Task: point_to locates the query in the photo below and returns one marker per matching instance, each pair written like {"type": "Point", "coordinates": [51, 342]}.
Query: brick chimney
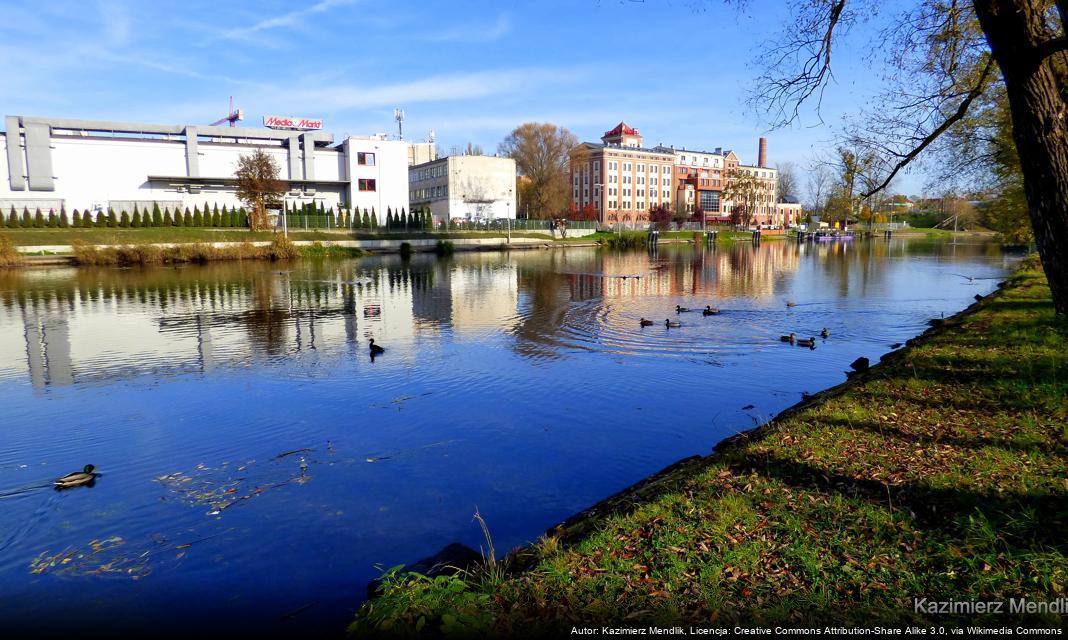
{"type": "Point", "coordinates": [762, 153]}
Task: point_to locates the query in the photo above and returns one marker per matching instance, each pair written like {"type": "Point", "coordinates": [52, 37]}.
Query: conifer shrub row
{"type": "Point", "coordinates": [224, 217]}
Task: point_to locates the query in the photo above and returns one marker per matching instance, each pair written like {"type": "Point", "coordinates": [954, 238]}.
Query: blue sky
{"type": "Point", "coordinates": [471, 70]}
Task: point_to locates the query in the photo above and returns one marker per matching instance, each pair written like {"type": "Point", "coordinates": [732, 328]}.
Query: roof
{"type": "Point", "coordinates": [622, 129]}
{"type": "Point", "coordinates": [600, 145]}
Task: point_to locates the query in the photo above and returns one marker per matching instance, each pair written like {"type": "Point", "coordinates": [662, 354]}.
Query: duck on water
{"type": "Point", "coordinates": [77, 479]}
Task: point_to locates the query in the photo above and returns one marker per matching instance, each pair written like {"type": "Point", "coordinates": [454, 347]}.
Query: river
{"type": "Point", "coordinates": [258, 467]}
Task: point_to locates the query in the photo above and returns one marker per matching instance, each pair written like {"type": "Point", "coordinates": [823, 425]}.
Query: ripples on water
{"type": "Point", "coordinates": [257, 464]}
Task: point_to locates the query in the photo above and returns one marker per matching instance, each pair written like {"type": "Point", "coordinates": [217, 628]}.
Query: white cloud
{"type": "Point", "coordinates": [473, 33]}
{"type": "Point", "coordinates": [289, 19]}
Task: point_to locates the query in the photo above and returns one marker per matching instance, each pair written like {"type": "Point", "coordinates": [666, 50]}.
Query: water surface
{"type": "Point", "coordinates": [259, 468]}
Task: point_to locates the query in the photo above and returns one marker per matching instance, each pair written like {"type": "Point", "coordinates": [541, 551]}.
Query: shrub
{"type": "Point", "coordinates": [406, 250]}
{"type": "Point", "coordinates": [444, 248]}
{"type": "Point", "coordinates": [9, 256]}
{"type": "Point", "coordinates": [113, 220]}
{"type": "Point", "coordinates": [77, 219]}
{"type": "Point", "coordinates": [27, 220]}
{"type": "Point", "coordinates": [167, 220]}
{"type": "Point", "coordinates": [157, 215]}
{"type": "Point", "coordinates": [124, 220]}
{"type": "Point", "coordinates": [53, 220]}
{"type": "Point", "coordinates": [38, 220]}
{"type": "Point", "coordinates": [198, 220]}
{"type": "Point", "coordinates": [135, 221]}
{"type": "Point", "coordinates": [626, 240]}
{"type": "Point", "coordinates": [63, 221]}
{"type": "Point", "coordinates": [13, 219]}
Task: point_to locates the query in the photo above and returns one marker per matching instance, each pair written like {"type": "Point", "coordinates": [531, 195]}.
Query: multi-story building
{"type": "Point", "coordinates": [765, 182]}
{"type": "Point", "coordinates": [464, 187]}
{"type": "Point", "coordinates": [55, 163]}
{"type": "Point", "coordinates": [619, 179]}
{"type": "Point", "coordinates": [700, 177]}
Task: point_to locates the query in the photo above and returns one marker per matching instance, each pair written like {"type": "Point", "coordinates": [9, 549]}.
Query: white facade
{"type": "Point", "coordinates": [88, 165]}
{"type": "Point", "coordinates": [465, 187]}
{"type": "Point", "coordinates": [377, 171]}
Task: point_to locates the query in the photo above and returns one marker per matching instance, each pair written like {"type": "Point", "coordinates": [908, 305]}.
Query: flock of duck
{"type": "Point", "coordinates": [669, 323]}
{"type": "Point", "coordinates": [709, 310]}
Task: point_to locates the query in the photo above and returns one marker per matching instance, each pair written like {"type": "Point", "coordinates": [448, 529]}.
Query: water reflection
{"type": "Point", "coordinates": [61, 326]}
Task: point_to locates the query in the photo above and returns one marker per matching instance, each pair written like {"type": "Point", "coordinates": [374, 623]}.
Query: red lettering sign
{"type": "Point", "coordinates": [282, 122]}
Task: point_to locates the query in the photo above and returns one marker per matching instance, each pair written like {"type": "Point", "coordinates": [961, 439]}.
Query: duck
{"type": "Point", "coordinates": [825, 333]}
{"type": "Point", "coordinates": [76, 479]}
{"type": "Point", "coordinates": [791, 303]}
{"type": "Point", "coordinates": [672, 323]}
{"type": "Point", "coordinates": [679, 309]}
{"type": "Point", "coordinates": [806, 342]}
{"type": "Point", "coordinates": [860, 364]}
{"type": "Point", "coordinates": [375, 349]}
{"type": "Point", "coordinates": [710, 311]}
{"type": "Point", "coordinates": [645, 323]}
{"type": "Point", "coordinates": [790, 338]}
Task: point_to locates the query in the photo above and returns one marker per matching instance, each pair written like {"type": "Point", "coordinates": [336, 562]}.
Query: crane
{"type": "Point", "coordinates": [233, 116]}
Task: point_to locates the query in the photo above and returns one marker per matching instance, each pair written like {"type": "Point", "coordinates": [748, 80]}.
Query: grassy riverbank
{"type": "Point", "coordinates": [941, 473]}
{"type": "Point", "coordinates": [153, 235]}
{"type": "Point", "coordinates": [147, 254]}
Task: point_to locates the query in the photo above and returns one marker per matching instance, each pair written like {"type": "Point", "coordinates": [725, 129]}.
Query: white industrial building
{"type": "Point", "coordinates": [470, 187]}
{"type": "Point", "coordinates": [49, 163]}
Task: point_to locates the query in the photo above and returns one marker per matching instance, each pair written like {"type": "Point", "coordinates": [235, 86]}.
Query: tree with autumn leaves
{"type": "Point", "coordinates": [258, 186]}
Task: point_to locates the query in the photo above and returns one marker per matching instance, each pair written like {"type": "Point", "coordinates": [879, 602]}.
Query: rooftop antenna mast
{"type": "Point", "coordinates": [398, 115]}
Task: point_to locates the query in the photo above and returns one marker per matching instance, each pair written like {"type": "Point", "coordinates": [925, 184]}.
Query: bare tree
{"type": "Point", "coordinates": [943, 57]}
{"type": "Point", "coordinates": [258, 186]}
{"type": "Point", "coordinates": [788, 184]}
{"type": "Point", "coordinates": [743, 190]}
{"type": "Point", "coordinates": [819, 186]}
{"type": "Point", "coordinates": [543, 153]}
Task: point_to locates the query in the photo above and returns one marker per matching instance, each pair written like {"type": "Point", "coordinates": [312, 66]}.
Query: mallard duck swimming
{"type": "Point", "coordinates": [679, 309]}
{"type": "Point", "coordinates": [710, 311]}
{"type": "Point", "coordinates": [375, 349]}
{"type": "Point", "coordinates": [791, 303]}
{"type": "Point", "coordinates": [806, 342]}
{"type": "Point", "coordinates": [790, 338]}
{"type": "Point", "coordinates": [824, 333]}
{"type": "Point", "coordinates": [76, 479]}
{"type": "Point", "coordinates": [672, 323]}
{"type": "Point", "coordinates": [645, 323]}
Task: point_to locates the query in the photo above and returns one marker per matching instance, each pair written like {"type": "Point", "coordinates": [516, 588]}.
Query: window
{"type": "Point", "coordinates": [667, 171]}
{"type": "Point", "coordinates": [368, 184]}
{"type": "Point", "coordinates": [366, 159]}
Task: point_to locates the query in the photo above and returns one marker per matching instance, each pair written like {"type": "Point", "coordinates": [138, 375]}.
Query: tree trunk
{"type": "Point", "coordinates": [1014, 28]}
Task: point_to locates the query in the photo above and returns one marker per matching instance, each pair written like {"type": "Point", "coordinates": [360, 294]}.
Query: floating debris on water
{"type": "Point", "coordinates": [228, 484]}
{"type": "Point", "coordinates": [100, 557]}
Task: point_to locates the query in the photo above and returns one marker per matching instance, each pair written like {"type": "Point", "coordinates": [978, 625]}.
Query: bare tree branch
{"type": "Point", "coordinates": [959, 114]}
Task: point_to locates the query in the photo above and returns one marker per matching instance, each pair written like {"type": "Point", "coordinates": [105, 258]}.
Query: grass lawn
{"type": "Point", "coordinates": [941, 473]}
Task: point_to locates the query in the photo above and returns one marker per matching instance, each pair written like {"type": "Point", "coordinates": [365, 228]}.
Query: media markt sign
{"type": "Point", "coordinates": [283, 122]}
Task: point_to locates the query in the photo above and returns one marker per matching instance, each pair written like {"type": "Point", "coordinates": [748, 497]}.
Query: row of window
{"type": "Point", "coordinates": [640, 168]}
{"type": "Point", "coordinates": [704, 161]}
{"type": "Point", "coordinates": [427, 193]}
{"type": "Point", "coordinates": [429, 173]}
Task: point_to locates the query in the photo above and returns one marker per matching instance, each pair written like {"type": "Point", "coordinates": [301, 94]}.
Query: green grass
{"type": "Point", "coordinates": [940, 473]}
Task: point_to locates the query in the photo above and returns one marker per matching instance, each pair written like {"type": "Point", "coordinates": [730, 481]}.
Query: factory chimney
{"type": "Point", "coordinates": [762, 153]}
